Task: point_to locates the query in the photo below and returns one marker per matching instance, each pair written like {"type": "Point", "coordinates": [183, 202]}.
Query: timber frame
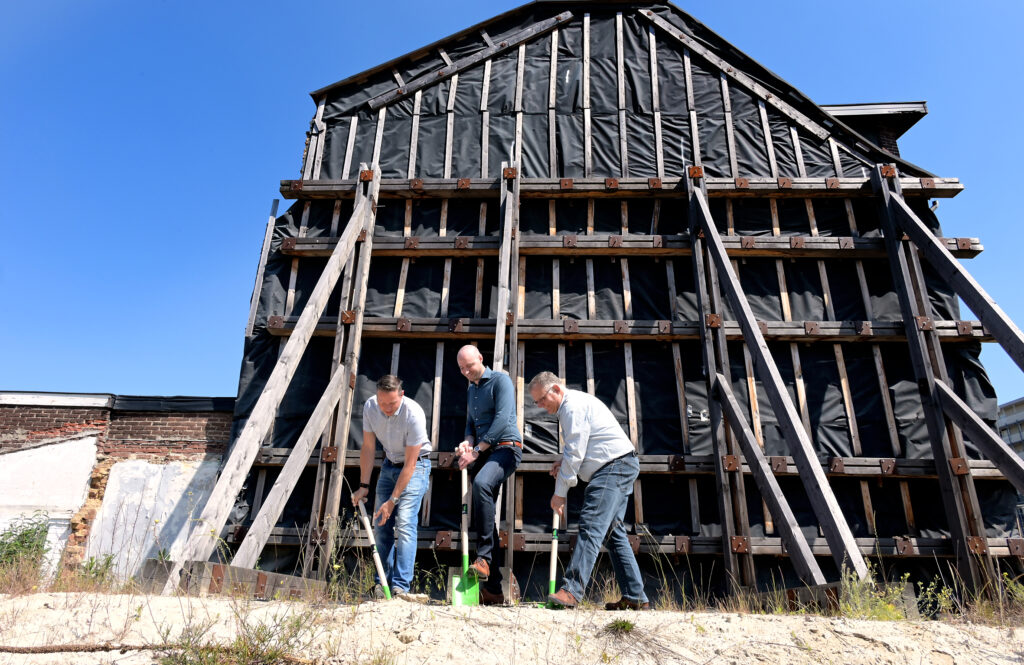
{"type": "Point", "coordinates": [751, 366]}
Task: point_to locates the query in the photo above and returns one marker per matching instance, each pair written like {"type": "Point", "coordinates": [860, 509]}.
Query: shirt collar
{"type": "Point", "coordinates": [487, 374]}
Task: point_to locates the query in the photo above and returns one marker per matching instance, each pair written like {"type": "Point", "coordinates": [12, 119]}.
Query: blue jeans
{"type": "Point", "coordinates": [501, 462]}
{"type": "Point", "coordinates": [396, 538]}
{"type": "Point", "coordinates": [604, 507]}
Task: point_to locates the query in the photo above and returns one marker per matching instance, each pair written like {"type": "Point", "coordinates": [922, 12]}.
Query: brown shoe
{"type": "Point", "coordinates": [489, 598]}
{"type": "Point", "coordinates": [626, 604]}
{"type": "Point", "coordinates": [481, 568]}
{"type": "Point", "coordinates": [563, 599]}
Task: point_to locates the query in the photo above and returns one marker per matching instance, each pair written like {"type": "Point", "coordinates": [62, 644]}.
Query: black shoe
{"type": "Point", "coordinates": [626, 604]}
{"type": "Point", "coordinates": [376, 592]}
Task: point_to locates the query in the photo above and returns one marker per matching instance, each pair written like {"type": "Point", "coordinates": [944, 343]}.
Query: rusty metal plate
{"type": "Point", "coordinates": [295, 186]}
{"type": "Point", "coordinates": [654, 183]}
{"type": "Point", "coordinates": [519, 542]}
{"type": "Point", "coordinates": [634, 542]}
{"type": "Point", "coordinates": [403, 325]}
{"type": "Point", "coordinates": [318, 536]}
{"type": "Point", "coordinates": [836, 465]}
{"type": "Point", "coordinates": [615, 241]}
{"type": "Point", "coordinates": [443, 540]}
{"type": "Point", "coordinates": [1016, 546]}
{"type": "Point", "coordinates": [977, 545]}
{"type": "Point", "coordinates": [288, 244]}
{"type": "Point", "coordinates": [657, 241]}
{"type": "Point", "coordinates": [927, 183]}
{"type": "Point", "coordinates": [352, 380]}
{"type": "Point", "coordinates": [217, 578]}
{"type": "Point", "coordinates": [864, 328]}
{"type": "Point", "coordinates": [763, 327]}
{"type": "Point", "coordinates": [677, 463]}
{"type": "Point", "coordinates": [463, 183]}
{"type": "Point", "coordinates": [462, 242]}
{"type": "Point", "coordinates": [682, 544]}
{"type": "Point", "coordinates": [712, 320]}
{"type": "Point", "coordinates": [329, 454]}
{"type": "Point", "coordinates": [740, 544]}
{"type": "Point", "coordinates": [503, 538]}
{"type": "Point", "coordinates": [509, 173]}
{"type": "Point", "coordinates": [570, 326]}
{"type": "Point", "coordinates": [963, 243]}
{"type": "Point", "coordinates": [565, 183]}
{"type": "Point", "coordinates": [611, 183]}
{"type": "Point", "coordinates": [696, 171]}
{"type": "Point", "coordinates": [812, 327]}
{"type": "Point", "coordinates": [924, 323]}
{"type": "Point", "coordinates": [747, 242]}
{"type": "Point", "coordinates": [509, 318]}
{"type": "Point", "coordinates": [742, 183]}
{"type": "Point", "coordinates": [797, 242]}
{"type": "Point", "coordinates": [959, 466]}
{"type": "Point", "coordinates": [362, 234]}
{"type": "Point", "coordinates": [416, 184]}
{"type": "Point", "coordinates": [239, 532]}
{"type": "Point", "coordinates": [730, 462]}
{"type": "Point", "coordinates": [888, 171]}
{"type": "Point", "coordinates": [455, 325]}
{"type": "Point", "coordinates": [447, 460]}
{"type": "Point", "coordinates": [261, 586]}
{"type": "Point", "coordinates": [831, 183]}
{"type": "Point", "coordinates": [903, 546]}
{"type": "Point", "coordinates": [412, 243]}
{"type": "Point", "coordinates": [294, 594]}
{"type": "Point", "coordinates": [569, 240]}
{"type": "Point", "coordinates": [620, 327]}
{"type": "Point", "coordinates": [887, 465]}
{"type": "Point", "coordinates": [846, 243]}
{"type": "Point", "coordinates": [348, 316]}
{"type": "Point", "coordinates": [664, 327]}
{"type": "Point", "coordinates": [779, 464]}
{"type": "Point", "coordinates": [366, 175]}
{"type": "Point", "coordinates": [785, 183]}
{"type": "Point", "coordinates": [275, 322]}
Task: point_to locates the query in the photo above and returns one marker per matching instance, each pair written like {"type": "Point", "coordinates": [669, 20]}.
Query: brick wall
{"type": "Point", "coordinates": [25, 426]}
{"type": "Point", "coordinates": [162, 436]}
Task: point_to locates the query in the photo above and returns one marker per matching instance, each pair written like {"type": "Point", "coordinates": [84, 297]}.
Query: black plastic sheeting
{"type": "Point", "coordinates": [663, 428]}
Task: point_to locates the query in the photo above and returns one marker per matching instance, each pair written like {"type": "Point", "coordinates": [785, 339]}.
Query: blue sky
{"type": "Point", "coordinates": [141, 144]}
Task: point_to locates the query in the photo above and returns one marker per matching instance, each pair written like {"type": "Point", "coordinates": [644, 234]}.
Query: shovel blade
{"type": "Point", "coordinates": [463, 588]}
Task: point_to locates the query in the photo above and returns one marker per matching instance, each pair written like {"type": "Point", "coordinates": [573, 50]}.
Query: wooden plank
{"type": "Point", "coordinates": [730, 132]}
{"type": "Point", "coordinates": [485, 121]}
{"type": "Point", "coordinates": [692, 109]}
{"type": "Point", "coordinates": [659, 153]}
{"type": "Point", "coordinates": [257, 289]}
{"type": "Point", "coordinates": [203, 538]}
{"type": "Point", "coordinates": [437, 75]}
{"type": "Point", "coordinates": [796, 545]}
{"type": "Point", "coordinates": [620, 76]}
{"type": "Point", "coordinates": [588, 154]}
{"type": "Point", "coordinates": [826, 508]}
{"type": "Point", "coordinates": [508, 209]}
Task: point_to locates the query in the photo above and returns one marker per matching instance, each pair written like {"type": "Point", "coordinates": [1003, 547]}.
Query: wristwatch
{"type": "Point", "coordinates": [476, 449]}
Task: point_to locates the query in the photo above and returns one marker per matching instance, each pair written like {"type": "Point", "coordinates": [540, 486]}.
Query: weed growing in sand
{"type": "Point", "coordinates": [22, 551]}
{"type": "Point", "coordinates": [867, 599]}
{"type": "Point", "coordinates": [382, 656]}
{"type": "Point", "coordinates": [620, 627]}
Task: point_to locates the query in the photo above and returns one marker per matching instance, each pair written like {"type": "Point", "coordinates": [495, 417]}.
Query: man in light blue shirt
{"type": "Point", "coordinates": [400, 426]}
{"type": "Point", "coordinates": [598, 452]}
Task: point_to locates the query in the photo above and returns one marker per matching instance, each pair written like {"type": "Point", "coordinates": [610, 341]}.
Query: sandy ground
{"type": "Point", "coordinates": [402, 632]}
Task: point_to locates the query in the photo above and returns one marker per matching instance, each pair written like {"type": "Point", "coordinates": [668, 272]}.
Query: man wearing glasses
{"type": "Point", "coordinates": [492, 436]}
{"type": "Point", "coordinates": [598, 452]}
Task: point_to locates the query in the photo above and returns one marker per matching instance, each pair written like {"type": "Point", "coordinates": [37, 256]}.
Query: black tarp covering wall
{"type": "Point", "coordinates": [789, 289]}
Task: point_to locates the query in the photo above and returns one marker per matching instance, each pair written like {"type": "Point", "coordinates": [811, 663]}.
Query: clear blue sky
{"type": "Point", "coordinates": [141, 144]}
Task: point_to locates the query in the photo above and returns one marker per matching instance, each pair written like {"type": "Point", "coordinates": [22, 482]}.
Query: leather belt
{"type": "Point", "coordinates": [517, 444]}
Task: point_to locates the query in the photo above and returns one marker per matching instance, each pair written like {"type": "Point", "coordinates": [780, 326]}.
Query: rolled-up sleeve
{"type": "Point", "coordinates": [576, 433]}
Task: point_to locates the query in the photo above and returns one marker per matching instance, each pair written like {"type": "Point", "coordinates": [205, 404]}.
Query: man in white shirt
{"type": "Point", "coordinates": [399, 424]}
{"type": "Point", "coordinates": [598, 452]}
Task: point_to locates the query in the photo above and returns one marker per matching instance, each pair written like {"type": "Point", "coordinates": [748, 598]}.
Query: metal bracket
{"type": "Point", "coordinates": [763, 327]}
{"type": "Point", "coordinates": [888, 171]}
{"type": "Point", "coordinates": [846, 242]}
{"type": "Point", "coordinates": [887, 465]}
{"type": "Point", "coordinates": [924, 323]}
{"type": "Point", "coordinates": [570, 326]}
{"type": "Point", "coordinates": [964, 328]}
{"type": "Point", "coordinates": [864, 328]}
{"type": "Point", "coordinates": [447, 460]}
{"type": "Point", "coordinates": [443, 540]}
{"type": "Point", "coordinates": [295, 186]}
{"type": "Point", "coordinates": [695, 171]}
{"type": "Point", "coordinates": [217, 578]}
{"type": "Point", "coordinates": [634, 542]}
{"type": "Point", "coordinates": [927, 183]}
{"type": "Point", "coordinates": [519, 542]}
{"type": "Point", "coordinates": [963, 243]}
{"type": "Point", "coordinates": [569, 241]}
{"type": "Point", "coordinates": [275, 322]}
{"type": "Point", "coordinates": [742, 183]}
{"type": "Point", "coordinates": [260, 591]}
{"type": "Point", "coordinates": [677, 463]}
{"type": "Point", "coordinates": [509, 173]}
{"type": "Point", "coordinates": [318, 536]}
{"type": "Point", "coordinates": [836, 465]}
{"type": "Point", "coordinates": [740, 544]}
{"type": "Point", "coordinates": [654, 183]}
{"type": "Point", "coordinates": [747, 242]}
{"type": "Point", "coordinates": [615, 241]}
{"type": "Point", "coordinates": [682, 544]}
{"type": "Point", "coordinates": [455, 325]}
{"type": "Point", "coordinates": [797, 242]}
{"type": "Point", "coordinates": [509, 318]}
{"type": "Point", "coordinates": [403, 325]}
{"type": "Point", "coordinates": [348, 316]}
{"type": "Point", "coordinates": [959, 466]}
{"type": "Point", "coordinates": [503, 538]}
{"type": "Point", "coordinates": [620, 327]}
{"type": "Point", "coordinates": [461, 242]}
{"type": "Point", "coordinates": [565, 183]}
{"type": "Point", "coordinates": [366, 175]}
{"type": "Point", "coordinates": [731, 462]}
{"type": "Point", "coordinates": [785, 183]}
{"type": "Point", "coordinates": [416, 184]}
{"type": "Point", "coordinates": [463, 183]}
{"type": "Point", "coordinates": [352, 380]}
{"type": "Point", "coordinates": [611, 184]}
{"type": "Point", "coordinates": [977, 545]}
{"type": "Point", "coordinates": [831, 183]}
{"type": "Point", "coordinates": [288, 244]}
{"type": "Point", "coordinates": [412, 242]}
{"type": "Point", "coordinates": [903, 546]}
{"type": "Point", "coordinates": [329, 454]}
{"type": "Point", "coordinates": [362, 234]}
{"type": "Point", "coordinates": [1016, 546]}
{"type": "Point", "coordinates": [812, 327]}
{"type": "Point", "coordinates": [779, 464]}
{"type": "Point", "coordinates": [664, 327]}
{"type": "Point", "coordinates": [658, 241]}
{"type": "Point", "coordinates": [713, 321]}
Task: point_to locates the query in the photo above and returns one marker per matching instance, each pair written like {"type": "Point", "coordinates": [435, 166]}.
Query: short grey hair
{"type": "Point", "coordinates": [543, 381]}
{"type": "Point", "coordinates": [389, 383]}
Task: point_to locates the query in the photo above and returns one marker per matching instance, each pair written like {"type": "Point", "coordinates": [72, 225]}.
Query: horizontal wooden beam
{"type": "Point", "coordinates": [638, 330]}
{"type": "Point", "coordinates": [548, 188]}
{"type": "Point", "coordinates": [632, 244]}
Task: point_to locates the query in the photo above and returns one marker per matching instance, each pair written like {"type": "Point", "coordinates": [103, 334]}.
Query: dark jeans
{"type": "Point", "coordinates": [498, 464]}
{"type": "Point", "coordinates": [604, 508]}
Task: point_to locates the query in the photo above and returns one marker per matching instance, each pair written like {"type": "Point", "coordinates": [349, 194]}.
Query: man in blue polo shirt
{"type": "Point", "coordinates": [399, 424]}
{"type": "Point", "coordinates": [493, 437]}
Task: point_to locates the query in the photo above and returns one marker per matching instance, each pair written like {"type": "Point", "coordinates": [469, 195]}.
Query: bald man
{"type": "Point", "coordinates": [494, 443]}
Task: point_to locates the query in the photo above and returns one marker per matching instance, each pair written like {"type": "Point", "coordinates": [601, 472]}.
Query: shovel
{"type": "Point", "coordinates": [373, 547]}
{"type": "Point", "coordinates": [553, 570]}
{"type": "Point", "coordinates": [463, 585]}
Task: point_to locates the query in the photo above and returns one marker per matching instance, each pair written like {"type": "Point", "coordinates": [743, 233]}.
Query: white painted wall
{"type": "Point", "coordinates": [145, 508]}
{"type": "Point", "coordinates": [53, 479]}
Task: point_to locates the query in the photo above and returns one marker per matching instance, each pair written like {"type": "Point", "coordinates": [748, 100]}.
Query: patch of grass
{"type": "Point", "coordinates": [619, 627]}
{"type": "Point", "coordinates": [22, 553]}
{"type": "Point", "coordinates": [868, 599]}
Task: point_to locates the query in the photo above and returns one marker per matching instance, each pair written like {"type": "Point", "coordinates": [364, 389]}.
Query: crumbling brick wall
{"type": "Point", "coordinates": [28, 426]}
